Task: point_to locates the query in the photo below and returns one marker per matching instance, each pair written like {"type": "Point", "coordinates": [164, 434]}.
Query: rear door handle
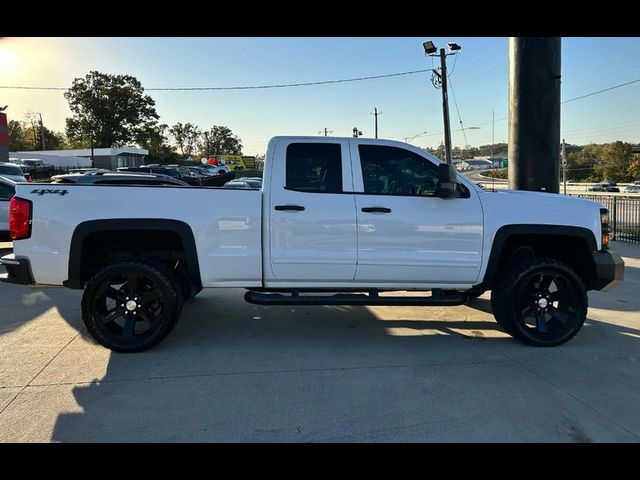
{"type": "Point", "coordinates": [292, 208]}
{"type": "Point", "coordinates": [376, 210]}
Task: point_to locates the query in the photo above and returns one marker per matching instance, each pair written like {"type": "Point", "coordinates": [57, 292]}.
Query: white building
{"type": "Point", "coordinates": [107, 158]}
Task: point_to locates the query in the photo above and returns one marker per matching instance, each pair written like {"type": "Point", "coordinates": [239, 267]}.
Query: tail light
{"type": "Point", "coordinates": [29, 179]}
{"type": "Point", "coordinates": [20, 218]}
{"type": "Point", "coordinates": [604, 224]}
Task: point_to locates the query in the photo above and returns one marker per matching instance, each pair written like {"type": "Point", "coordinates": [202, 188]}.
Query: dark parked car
{"type": "Point", "coordinates": [172, 172]}
{"type": "Point", "coordinates": [603, 187]}
{"type": "Point", "coordinates": [119, 178]}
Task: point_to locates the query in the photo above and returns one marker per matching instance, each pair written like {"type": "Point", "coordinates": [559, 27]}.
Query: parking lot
{"type": "Point", "coordinates": [234, 372]}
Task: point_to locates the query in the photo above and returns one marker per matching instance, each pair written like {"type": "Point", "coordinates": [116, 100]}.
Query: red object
{"type": "Point", "coordinates": [213, 161]}
{"type": "Point", "coordinates": [4, 133]}
{"type": "Point", "coordinates": [19, 218]}
{"type": "Point", "coordinates": [29, 179]}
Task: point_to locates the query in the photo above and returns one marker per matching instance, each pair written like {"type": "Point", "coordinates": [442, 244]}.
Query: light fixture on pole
{"type": "Point", "coordinates": [439, 79]}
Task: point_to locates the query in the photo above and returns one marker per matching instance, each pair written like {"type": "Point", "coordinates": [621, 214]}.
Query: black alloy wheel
{"type": "Point", "coordinates": [129, 306]}
{"type": "Point", "coordinates": [540, 301]}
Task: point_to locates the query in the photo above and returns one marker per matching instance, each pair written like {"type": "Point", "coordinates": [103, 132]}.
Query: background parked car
{"type": "Point", "coordinates": [7, 191]}
{"type": "Point", "coordinates": [239, 184]}
{"type": "Point", "coordinates": [119, 178]}
{"type": "Point", "coordinates": [13, 172]}
{"type": "Point", "coordinates": [254, 182]}
{"type": "Point", "coordinates": [172, 172]}
{"type": "Point", "coordinates": [632, 189]}
{"type": "Point", "coordinates": [36, 168]}
{"type": "Point", "coordinates": [603, 187]}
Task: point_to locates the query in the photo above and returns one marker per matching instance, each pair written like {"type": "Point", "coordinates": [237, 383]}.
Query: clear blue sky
{"type": "Point", "coordinates": [409, 104]}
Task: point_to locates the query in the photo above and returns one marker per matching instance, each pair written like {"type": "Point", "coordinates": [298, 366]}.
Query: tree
{"type": "Point", "coordinates": [26, 136]}
{"type": "Point", "coordinates": [580, 164]}
{"type": "Point", "coordinates": [17, 137]}
{"type": "Point", "coordinates": [220, 140]}
{"type": "Point", "coordinates": [186, 136]}
{"type": "Point", "coordinates": [633, 171]}
{"type": "Point", "coordinates": [112, 109]}
{"type": "Point", "coordinates": [614, 161]}
{"type": "Point", "coordinates": [155, 140]}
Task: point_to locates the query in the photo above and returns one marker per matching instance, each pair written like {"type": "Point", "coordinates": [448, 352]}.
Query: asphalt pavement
{"type": "Point", "coordinates": [235, 372]}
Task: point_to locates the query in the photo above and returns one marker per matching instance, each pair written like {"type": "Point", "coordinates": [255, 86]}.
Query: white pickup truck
{"type": "Point", "coordinates": [339, 221]}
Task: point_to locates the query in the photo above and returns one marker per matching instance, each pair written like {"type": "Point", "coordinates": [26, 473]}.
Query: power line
{"type": "Point", "coordinates": [247, 87]}
{"type": "Point", "coordinates": [466, 142]}
{"type": "Point", "coordinates": [601, 91]}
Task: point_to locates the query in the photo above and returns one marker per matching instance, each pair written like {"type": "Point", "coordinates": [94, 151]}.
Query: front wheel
{"type": "Point", "coordinates": [131, 305]}
{"type": "Point", "coordinates": [540, 301]}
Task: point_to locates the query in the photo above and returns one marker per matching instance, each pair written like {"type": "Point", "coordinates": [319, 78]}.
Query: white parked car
{"type": "Point", "coordinates": [12, 172]}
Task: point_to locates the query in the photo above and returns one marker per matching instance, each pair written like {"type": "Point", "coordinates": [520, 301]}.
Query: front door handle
{"type": "Point", "coordinates": [292, 208]}
{"type": "Point", "coordinates": [376, 210]}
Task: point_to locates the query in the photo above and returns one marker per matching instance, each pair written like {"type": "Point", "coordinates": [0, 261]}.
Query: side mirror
{"type": "Point", "coordinates": [447, 181]}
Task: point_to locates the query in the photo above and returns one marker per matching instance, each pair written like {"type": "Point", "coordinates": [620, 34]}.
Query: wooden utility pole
{"type": "Point", "coordinates": [534, 113]}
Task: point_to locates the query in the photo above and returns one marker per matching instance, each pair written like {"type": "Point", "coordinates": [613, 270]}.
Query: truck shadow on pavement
{"type": "Point", "coordinates": [237, 372]}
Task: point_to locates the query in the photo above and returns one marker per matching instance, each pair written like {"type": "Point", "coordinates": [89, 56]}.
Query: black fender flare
{"type": "Point", "coordinates": [83, 229]}
{"type": "Point", "coordinates": [505, 232]}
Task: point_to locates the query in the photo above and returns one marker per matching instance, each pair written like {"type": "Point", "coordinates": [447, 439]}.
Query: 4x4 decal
{"type": "Point", "coordinates": [52, 191]}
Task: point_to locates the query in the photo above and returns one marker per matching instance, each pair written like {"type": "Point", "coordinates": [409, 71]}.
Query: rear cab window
{"type": "Point", "coordinates": [314, 167]}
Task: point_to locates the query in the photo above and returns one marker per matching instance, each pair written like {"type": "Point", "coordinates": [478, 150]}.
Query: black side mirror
{"type": "Point", "coordinates": [447, 181]}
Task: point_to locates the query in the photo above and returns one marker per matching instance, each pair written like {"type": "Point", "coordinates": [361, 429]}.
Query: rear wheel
{"type": "Point", "coordinates": [540, 301]}
{"type": "Point", "coordinates": [131, 305]}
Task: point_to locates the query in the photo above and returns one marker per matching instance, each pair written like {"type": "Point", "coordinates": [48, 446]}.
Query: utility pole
{"type": "Point", "coordinates": [42, 132]}
{"type": "Point", "coordinates": [431, 50]}
{"type": "Point", "coordinates": [445, 107]}
{"type": "Point", "coordinates": [376, 113]}
{"type": "Point", "coordinates": [534, 113]}
{"type": "Point", "coordinates": [564, 168]}
{"type": "Point", "coordinates": [493, 132]}
{"type": "Point", "coordinates": [326, 132]}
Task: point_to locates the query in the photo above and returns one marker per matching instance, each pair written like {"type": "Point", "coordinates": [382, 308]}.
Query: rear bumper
{"type": "Point", "coordinates": [18, 270]}
{"type": "Point", "coordinates": [609, 271]}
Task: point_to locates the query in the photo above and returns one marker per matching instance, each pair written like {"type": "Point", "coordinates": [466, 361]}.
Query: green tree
{"type": "Point", "coordinates": [186, 136]}
{"type": "Point", "coordinates": [25, 136]}
{"type": "Point", "coordinates": [614, 161]}
{"type": "Point", "coordinates": [580, 164]}
{"type": "Point", "coordinates": [17, 137]}
{"type": "Point", "coordinates": [220, 140]}
{"type": "Point", "coordinates": [633, 170]}
{"type": "Point", "coordinates": [112, 109]}
{"type": "Point", "coordinates": [155, 140]}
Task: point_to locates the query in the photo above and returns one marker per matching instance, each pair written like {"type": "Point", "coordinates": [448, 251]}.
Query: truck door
{"type": "Point", "coordinates": [312, 221]}
{"type": "Point", "coordinates": [406, 234]}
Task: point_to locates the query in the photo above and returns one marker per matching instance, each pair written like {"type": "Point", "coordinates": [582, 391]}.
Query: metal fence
{"type": "Point", "coordinates": [624, 216]}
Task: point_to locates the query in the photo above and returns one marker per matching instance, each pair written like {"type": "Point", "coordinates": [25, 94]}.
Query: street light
{"type": "Point", "coordinates": [430, 49]}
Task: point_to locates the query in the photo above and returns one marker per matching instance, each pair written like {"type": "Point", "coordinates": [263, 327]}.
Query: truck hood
{"type": "Point", "coordinates": [519, 207]}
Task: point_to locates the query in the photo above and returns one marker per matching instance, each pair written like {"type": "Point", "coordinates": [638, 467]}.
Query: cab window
{"type": "Point", "coordinates": [314, 167]}
{"type": "Point", "coordinates": [395, 171]}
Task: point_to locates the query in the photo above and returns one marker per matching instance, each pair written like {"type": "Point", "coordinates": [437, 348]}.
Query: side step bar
{"type": "Point", "coordinates": [437, 299]}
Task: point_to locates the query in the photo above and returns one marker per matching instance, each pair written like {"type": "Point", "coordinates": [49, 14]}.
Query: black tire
{"type": "Point", "coordinates": [154, 289]}
{"type": "Point", "coordinates": [540, 301]}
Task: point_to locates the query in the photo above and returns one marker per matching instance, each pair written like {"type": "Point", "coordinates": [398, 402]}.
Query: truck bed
{"type": "Point", "coordinates": [226, 225]}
